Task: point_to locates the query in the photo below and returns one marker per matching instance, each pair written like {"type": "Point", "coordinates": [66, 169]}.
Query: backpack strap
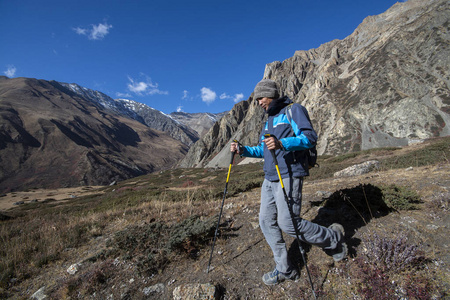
{"type": "Point", "coordinates": [289, 116]}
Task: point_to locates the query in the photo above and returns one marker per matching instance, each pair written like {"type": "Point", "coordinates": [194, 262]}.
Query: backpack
{"type": "Point", "coordinates": [311, 153]}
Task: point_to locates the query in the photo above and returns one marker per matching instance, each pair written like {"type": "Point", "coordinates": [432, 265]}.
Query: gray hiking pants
{"type": "Point", "coordinates": [274, 218]}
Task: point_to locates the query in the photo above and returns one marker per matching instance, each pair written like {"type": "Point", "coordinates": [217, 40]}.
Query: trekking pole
{"type": "Point", "coordinates": [221, 208]}
{"type": "Point", "coordinates": [297, 233]}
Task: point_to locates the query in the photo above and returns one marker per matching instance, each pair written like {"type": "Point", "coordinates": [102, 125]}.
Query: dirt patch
{"type": "Point", "coordinates": [187, 188]}
{"type": "Point", "coordinates": [209, 178]}
{"type": "Point", "coordinates": [10, 200]}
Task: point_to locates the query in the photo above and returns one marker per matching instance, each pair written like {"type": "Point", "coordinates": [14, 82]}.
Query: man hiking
{"type": "Point", "coordinates": [290, 132]}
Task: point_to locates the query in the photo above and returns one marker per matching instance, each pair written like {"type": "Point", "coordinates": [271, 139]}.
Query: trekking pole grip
{"type": "Point", "coordinates": [232, 157]}
{"type": "Point", "coordinates": [273, 150]}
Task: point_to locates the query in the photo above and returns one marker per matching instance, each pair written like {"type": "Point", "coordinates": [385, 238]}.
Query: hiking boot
{"type": "Point", "coordinates": [340, 252]}
{"type": "Point", "coordinates": [276, 277]}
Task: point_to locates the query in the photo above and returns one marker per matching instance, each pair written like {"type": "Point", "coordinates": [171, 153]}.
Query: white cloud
{"type": "Point", "coordinates": [100, 31]}
{"type": "Point", "coordinates": [180, 108]}
{"type": "Point", "coordinates": [185, 95]}
{"type": "Point", "coordinates": [208, 95]}
{"type": "Point", "coordinates": [80, 31]}
{"type": "Point", "coordinates": [10, 71]}
{"type": "Point", "coordinates": [97, 32]}
{"type": "Point", "coordinates": [238, 97]}
{"type": "Point", "coordinates": [137, 87]}
{"type": "Point", "coordinates": [146, 87]}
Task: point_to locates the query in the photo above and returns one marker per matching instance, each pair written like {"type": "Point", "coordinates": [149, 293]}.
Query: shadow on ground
{"type": "Point", "coordinates": [353, 208]}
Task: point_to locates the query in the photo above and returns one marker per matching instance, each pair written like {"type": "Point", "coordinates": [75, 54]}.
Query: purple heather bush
{"type": "Point", "coordinates": [393, 255]}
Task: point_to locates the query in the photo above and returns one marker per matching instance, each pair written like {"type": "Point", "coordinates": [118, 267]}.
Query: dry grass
{"type": "Point", "coordinates": [40, 236]}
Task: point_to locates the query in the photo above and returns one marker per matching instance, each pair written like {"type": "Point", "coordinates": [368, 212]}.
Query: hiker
{"type": "Point", "coordinates": [291, 137]}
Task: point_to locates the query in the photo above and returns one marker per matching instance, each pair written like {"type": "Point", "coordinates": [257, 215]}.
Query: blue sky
{"type": "Point", "coordinates": [191, 56]}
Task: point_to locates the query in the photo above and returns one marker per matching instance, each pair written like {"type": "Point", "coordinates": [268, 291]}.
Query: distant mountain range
{"type": "Point", "coordinates": [185, 127]}
{"type": "Point", "coordinates": [55, 134]}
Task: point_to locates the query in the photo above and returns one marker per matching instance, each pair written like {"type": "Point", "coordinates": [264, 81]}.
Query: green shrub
{"type": "Point", "coordinates": [150, 245]}
{"type": "Point", "coordinates": [434, 153]}
{"type": "Point", "coordinates": [192, 231]}
{"type": "Point", "coordinates": [399, 197]}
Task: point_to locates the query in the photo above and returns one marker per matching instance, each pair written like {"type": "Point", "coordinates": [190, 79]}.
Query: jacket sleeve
{"type": "Point", "coordinates": [255, 151]}
{"type": "Point", "coordinates": [305, 136]}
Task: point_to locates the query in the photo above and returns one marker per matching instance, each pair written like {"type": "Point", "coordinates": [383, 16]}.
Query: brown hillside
{"type": "Point", "coordinates": [145, 237]}
{"type": "Point", "coordinates": [53, 138]}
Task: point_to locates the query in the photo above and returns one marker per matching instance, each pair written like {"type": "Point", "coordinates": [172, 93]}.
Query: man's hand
{"type": "Point", "coordinates": [235, 148]}
{"type": "Point", "coordinates": [273, 143]}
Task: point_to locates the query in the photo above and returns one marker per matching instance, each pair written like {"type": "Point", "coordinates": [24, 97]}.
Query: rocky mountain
{"type": "Point", "coordinates": [97, 97]}
{"type": "Point", "coordinates": [386, 84]}
{"type": "Point", "coordinates": [54, 135]}
{"type": "Point", "coordinates": [157, 120]}
{"type": "Point", "coordinates": [140, 112]}
{"type": "Point", "coordinates": [220, 134]}
{"type": "Point", "coordinates": [199, 122]}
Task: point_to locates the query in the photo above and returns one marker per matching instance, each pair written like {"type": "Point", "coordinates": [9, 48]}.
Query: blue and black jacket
{"type": "Point", "coordinates": [297, 136]}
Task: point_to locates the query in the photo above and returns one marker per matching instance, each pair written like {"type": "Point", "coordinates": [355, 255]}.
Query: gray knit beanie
{"type": "Point", "coordinates": [266, 88]}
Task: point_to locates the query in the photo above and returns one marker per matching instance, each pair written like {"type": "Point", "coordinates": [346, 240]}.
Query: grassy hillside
{"type": "Point", "coordinates": [158, 229]}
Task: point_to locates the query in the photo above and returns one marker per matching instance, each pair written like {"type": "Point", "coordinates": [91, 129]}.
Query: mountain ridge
{"type": "Point", "coordinates": [186, 132]}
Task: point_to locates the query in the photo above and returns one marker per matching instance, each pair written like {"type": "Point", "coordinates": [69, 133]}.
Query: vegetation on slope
{"type": "Point", "coordinates": [152, 221]}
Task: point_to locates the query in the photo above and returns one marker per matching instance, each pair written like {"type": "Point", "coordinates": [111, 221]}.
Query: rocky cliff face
{"type": "Point", "coordinates": [199, 122]}
{"type": "Point", "coordinates": [387, 84]}
{"type": "Point", "coordinates": [52, 137]}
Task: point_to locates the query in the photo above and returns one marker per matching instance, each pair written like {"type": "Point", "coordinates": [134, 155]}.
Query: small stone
{"type": "Point", "coordinates": [255, 225]}
{"type": "Point", "coordinates": [323, 194]}
{"type": "Point", "coordinates": [154, 289]}
{"type": "Point", "coordinates": [39, 295]}
{"type": "Point", "coordinates": [73, 269]}
{"type": "Point", "coordinates": [359, 169]}
{"type": "Point", "coordinates": [195, 291]}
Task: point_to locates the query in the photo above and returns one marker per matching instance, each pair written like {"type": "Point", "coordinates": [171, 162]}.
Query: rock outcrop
{"type": "Point", "coordinates": [359, 169]}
